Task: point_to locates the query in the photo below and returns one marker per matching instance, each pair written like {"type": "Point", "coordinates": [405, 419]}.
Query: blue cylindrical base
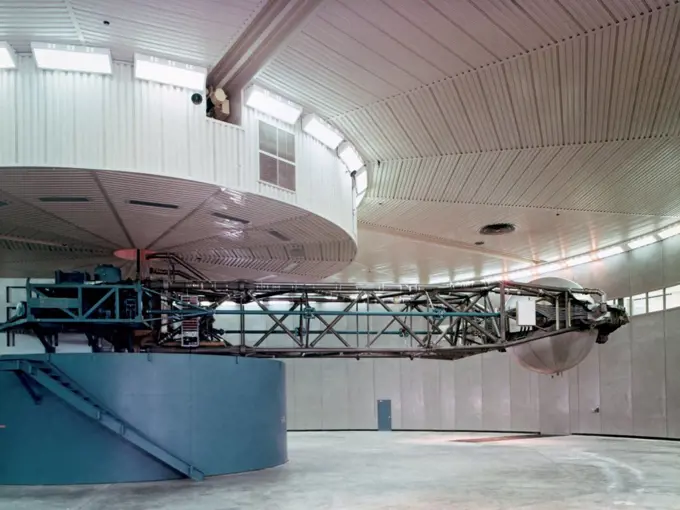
{"type": "Point", "coordinates": [221, 414]}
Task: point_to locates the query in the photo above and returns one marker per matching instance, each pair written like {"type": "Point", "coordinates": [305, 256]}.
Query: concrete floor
{"type": "Point", "coordinates": [408, 470]}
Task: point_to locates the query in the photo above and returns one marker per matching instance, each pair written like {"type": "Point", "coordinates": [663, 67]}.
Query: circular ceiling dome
{"type": "Point", "coordinates": [497, 229]}
{"type": "Point", "coordinates": [554, 354]}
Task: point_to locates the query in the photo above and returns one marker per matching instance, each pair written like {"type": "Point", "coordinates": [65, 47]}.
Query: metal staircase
{"type": "Point", "coordinates": [47, 376]}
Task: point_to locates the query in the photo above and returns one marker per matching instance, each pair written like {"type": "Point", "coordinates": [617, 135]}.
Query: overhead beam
{"type": "Point", "coordinates": [267, 34]}
{"type": "Point", "coordinates": [448, 243]}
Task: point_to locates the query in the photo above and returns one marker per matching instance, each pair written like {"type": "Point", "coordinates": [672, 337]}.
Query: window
{"type": "Point", "coordinates": [639, 304]}
{"type": "Point", "coordinates": [277, 156]}
{"type": "Point", "coordinates": [673, 297]}
{"type": "Point", "coordinates": [655, 301]}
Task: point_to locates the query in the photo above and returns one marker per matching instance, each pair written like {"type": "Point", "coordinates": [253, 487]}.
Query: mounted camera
{"type": "Point", "coordinates": [196, 98]}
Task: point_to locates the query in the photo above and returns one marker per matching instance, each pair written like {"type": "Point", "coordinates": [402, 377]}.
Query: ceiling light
{"type": "Point", "coordinates": [62, 57]}
{"type": "Point", "coordinates": [608, 252]}
{"type": "Point", "coordinates": [169, 72]}
{"type": "Point", "coordinates": [8, 59]}
{"type": "Point", "coordinates": [65, 200]}
{"type": "Point", "coordinates": [159, 205]}
{"type": "Point", "coordinates": [642, 241]}
{"type": "Point", "coordinates": [272, 105]}
{"type": "Point", "coordinates": [669, 232]}
{"type": "Point", "coordinates": [581, 259]}
{"type": "Point", "coordinates": [466, 276]}
{"type": "Point", "coordinates": [278, 235]}
{"type": "Point", "coordinates": [350, 157]}
{"type": "Point", "coordinates": [316, 127]}
{"type": "Point", "coordinates": [290, 267]}
{"type": "Point", "coordinates": [549, 268]}
{"type": "Point", "coordinates": [515, 275]}
{"type": "Point", "coordinates": [227, 217]}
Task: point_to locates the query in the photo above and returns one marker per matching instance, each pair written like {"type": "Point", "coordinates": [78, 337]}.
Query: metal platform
{"type": "Point", "coordinates": [441, 322]}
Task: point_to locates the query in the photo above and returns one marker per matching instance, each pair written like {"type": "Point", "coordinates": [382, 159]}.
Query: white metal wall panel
{"type": "Point", "coordinates": [672, 355]}
{"type": "Point", "coordinates": [615, 384]}
{"type": "Point", "coordinates": [447, 394]}
{"type": "Point", "coordinates": [335, 400]}
{"type": "Point", "coordinates": [648, 371]}
{"type": "Point", "coordinates": [588, 376]}
{"type": "Point", "coordinates": [413, 416]}
{"type": "Point", "coordinates": [361, 390]}
{"type": "Point", "coordinates": [308, 395]}
{"type": "Point", "coordinates": [496, 406]}
{"type": "Point", "coordinates": [114, 122]}
{"type": "Point", "coordinates": [523, 399]}
{"type": "Point", "coordinates": [553, 395]}
{"type": "Point", "coordinates": [468, 393]}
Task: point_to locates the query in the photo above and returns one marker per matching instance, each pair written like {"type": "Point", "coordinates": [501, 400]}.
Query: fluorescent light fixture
{"type": "Point", "coordinates": [549, 268]}
{"type": "Point", "coordinates": [581, 259]}
{"type": "Point", "coordinates": [273, 105]}
{"type": "Point", "coordinates": [290, 267]}
{"type": "Point", "coordinates": [515, 275]}
{"type": "Point", "coordinates": [316, 127]}
{"type": "Point", "coordinates": [466, 276]}
{"type": "Point", "coordinates": [8, 59]}
{"type": "Point", "coordinates": [642, 241]}
{"type": "Point", "coordinates": [169, 72]}
{"type": "Point", "coordinates": [350, 157]}
{"type": "Point", "coordinates": [361, 179]}
{"type": "Point", "coordinates": [466, 283]}
{"type": "Point", "coordinates": [609, 252]}
{"type": "Point", "coordinates": [667, 232]}
{"type": "Point", "coordinates": [63, 57]}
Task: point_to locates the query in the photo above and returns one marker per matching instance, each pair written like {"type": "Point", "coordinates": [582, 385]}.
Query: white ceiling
{"type": "Point", "coordinates": [90, 231]}
{"type": "Point", "coordinates": [199, 31]}
{"type": "Point", "coordinates": [562, 116]}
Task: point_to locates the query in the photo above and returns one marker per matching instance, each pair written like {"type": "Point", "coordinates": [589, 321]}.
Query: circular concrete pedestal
{"type": "Point", "coordinates": [220, 414]}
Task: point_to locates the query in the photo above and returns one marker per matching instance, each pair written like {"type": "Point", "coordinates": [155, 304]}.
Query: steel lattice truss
{"type": "Point", "coordinates": [446, 322]}
{"type": "Point", "coordinates": [452, 321]}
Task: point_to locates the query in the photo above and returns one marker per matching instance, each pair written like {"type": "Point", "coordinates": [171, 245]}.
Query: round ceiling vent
{"type": "Point", "coordinates": [497, 229]}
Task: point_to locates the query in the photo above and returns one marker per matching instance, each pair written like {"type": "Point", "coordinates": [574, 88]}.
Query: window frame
{"type": "Point", "coordinates": [276, 157]}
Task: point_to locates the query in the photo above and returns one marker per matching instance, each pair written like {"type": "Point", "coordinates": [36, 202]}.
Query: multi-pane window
{"type": "Point", "coordinates": [673, 297]}
{"type": "Point", "coordinates": [655, 301]}
{"type": "Point", "coordinates": [639, 304]}
{"type": "Point", "coordinates": [277, 156]}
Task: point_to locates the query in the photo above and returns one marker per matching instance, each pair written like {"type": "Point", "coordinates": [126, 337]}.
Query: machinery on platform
{"type": "Point", "coordinates": [312, 320]}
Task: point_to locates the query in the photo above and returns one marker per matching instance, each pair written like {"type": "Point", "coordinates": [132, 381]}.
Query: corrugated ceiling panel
{"type": "Point", "coordinates": [552, 170]}
{"type": "Point", "coordinates": [23, 21]}
{"type": "Point", "coordinates": [289, 82]}
{"type": "Point", "coordinates": [482, 165]}
{"type": "Point", "coordinates": [667, 119]}
{"type": "Point", "coordinates": [447, 97]}
{"type": "Point", "coordinates": [554, 19]}
{"type": "Point", "coordinates": [600, 72]}
{"type": "Point", "coordinates": [522, 90]}
{"type": "Point", "coordinates": [626, 9]}
{"type": "Point", "coordinates": [507, 162]}
{"type": "Point", "coordinates": [444, 30]}
{"type": "Point", "coordinates": [572, 59]}
{"type": "Point", "coordinates": [459, 169]}
{"type": "Point", "coordinates": [356, 125]}
{"type": "Point", "coordinates": [540, 165]}
{"type": "Point", "coordinates": [573, 175]}
{"type": "Point", "coordinates": [358, 55]}
{"type": "Point", "coordinates": [435, 123]}
{"type": "Point", "coordinates": [661, 39]}
{"type": "Point", "coordinates": [495, 90]}
{"type": "Point", "coordinates": [351, 21]}
{"type": "Point", "coordinates": [476, 105]}
{"type": "Point", "coordinates": [472, 20]}
{"type": "Point", "coordinates": [208, 28]}
{"type": "Point", "coordinates": [387, 20]}
{"type": "Point", "coordinates": [498, 187]}
{"type": "Point", "coordinates": [417, 128]}
{"type": "Point", "coordinates": [630, 45]}
{"type": "Point", "coordinates": [513, 19]}
{"type": "Point", "coordinates": [589, 15]}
